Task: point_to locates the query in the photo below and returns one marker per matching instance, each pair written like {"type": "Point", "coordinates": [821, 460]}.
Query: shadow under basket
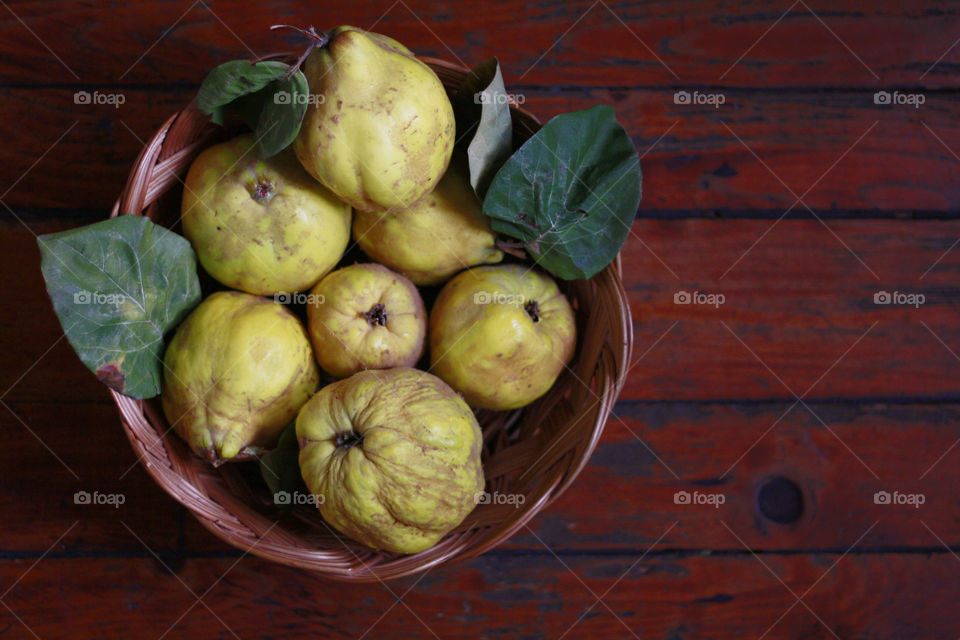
{"type": "Point", "coordinates": [535, 452]}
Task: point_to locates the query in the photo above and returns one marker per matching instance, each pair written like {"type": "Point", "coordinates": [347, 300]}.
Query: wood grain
{"type": "Point", "coordinates": [814, 44]}
{"type": "Point", "coordinates": [799, 315]}
{"type": "Point", "coordinates": [709, 404]}
{"type": "Point", "coordinates": [497, 596]}
{"type": "Point", "coordinates": [624, 500]}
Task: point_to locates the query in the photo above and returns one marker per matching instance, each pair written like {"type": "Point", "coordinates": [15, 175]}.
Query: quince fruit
{"type": "Point", "coordinates": [501, 335]}
{"type": "Point", "coordinates": [381, 131]}
{"type": "Point", "coordinates": [235, 374]}
{"type": "Point", "coordinates": [392, 456]}
{"type": "Point", "coordinates": [261, 225]}
{"type": "Point", "coordinates": [366, 317]}
{"type": "Point", "coordinates": [442, 233]}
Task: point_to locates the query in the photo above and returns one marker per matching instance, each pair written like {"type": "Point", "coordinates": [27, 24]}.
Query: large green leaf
{"type": "Point", "coordinates": [118, 286]}
{"type": "Point", "coordinates": [570, 193]}
{"type": "Point", "coordinates": [282, 114]}
{"type": "Point", "coordinates": [481, 108]}
{"type": "Point", "coordinates": [230, 80]}
{"type": "Point", "coordinates": [271, 98]}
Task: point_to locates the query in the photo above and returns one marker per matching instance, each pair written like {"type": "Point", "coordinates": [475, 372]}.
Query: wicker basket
{"type": "Point", "coordinates": [536, 452]}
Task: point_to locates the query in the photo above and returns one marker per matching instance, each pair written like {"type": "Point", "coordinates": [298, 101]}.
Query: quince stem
{"type": "Point", "coordinates": [317, 40]}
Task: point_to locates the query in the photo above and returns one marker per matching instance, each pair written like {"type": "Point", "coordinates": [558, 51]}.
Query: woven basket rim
{"type": "Point", "coordinates": [196, 486]}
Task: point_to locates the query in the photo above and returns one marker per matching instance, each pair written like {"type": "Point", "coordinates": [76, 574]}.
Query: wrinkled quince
{"type": "Point", "coordinates": [365, 316]}
{"type": "Point", "coordinates": [501, 335]}
{"type": "Point", "coordinates": [381, 130]}
{"type": "Point", "coordinates": [261, 225]}
{"type": "Point", "coordinates": [392, 456]}
{"type": "Point", "coordinates": [235, 374]}
{"type": "Point", "coordinates": [442, 233]}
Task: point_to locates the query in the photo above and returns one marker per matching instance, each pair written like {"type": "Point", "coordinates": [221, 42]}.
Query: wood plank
{"type": "Point", "coordinates": [724, 597]}
{"type": "Point", "coordinates": [46, 367]}
{"type": "Point", "coordinates": [712, 387]}
{"type": "Point", "coordinates": [661, 43]}
{"type": "Point", "coordinates": [799, 313]}
{"type": "Point", "coordinates": [837, 455]}
{"type": "Point", "coordinates": [855, 158]}
{"type": "Point", "coordinates": [58, 450]}
{"type": "Point", "coordinates": [624, 500]}
{"type": "Point", "coordinates": [799, 303]}
{"type": "Point", "coordinates": [75, 157]}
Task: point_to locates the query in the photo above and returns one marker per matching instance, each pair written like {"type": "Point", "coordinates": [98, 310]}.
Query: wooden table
{"type": "Point", "coordinates": [777, 177]}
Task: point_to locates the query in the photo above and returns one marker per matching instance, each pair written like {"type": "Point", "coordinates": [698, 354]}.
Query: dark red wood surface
{"type": "Point", "coordinates": [798, 199]}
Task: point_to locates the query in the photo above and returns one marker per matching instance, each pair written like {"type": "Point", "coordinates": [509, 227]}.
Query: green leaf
{"type": "Point", "coordinates": [570, 193]}
{"type": "Point", "coordinates": [268, 97]}
{"type": "Point", "coordinates": [117, 287]}
{"type": "Point", "coordinates": [280, 467]}
{"type": "Point", "coordinates": [233, 79]}
{"type": "Point", "coordinates": [481, 105]}
{"type": "Point", "coordinates": [281, 115]}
